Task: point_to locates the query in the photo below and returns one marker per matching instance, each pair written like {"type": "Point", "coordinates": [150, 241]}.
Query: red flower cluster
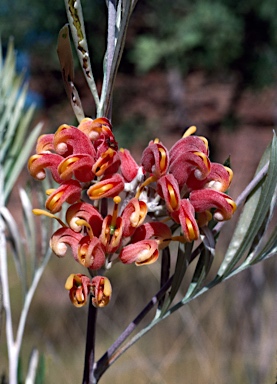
{"type": "Point", "coordinates": [181, 185]}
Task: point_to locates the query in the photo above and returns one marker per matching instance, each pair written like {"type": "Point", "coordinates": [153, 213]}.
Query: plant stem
{"type": "Point", "coordinates": [111, 355]}
{"type": "Point", "coordinates": [89, 377]}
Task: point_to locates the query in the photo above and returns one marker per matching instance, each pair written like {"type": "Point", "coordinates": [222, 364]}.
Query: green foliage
{"type": "Point", "coordinates": [15, 141]}
{"type": "Point", "coordinates": [206, 35]}
{"type": "Point", "coordinates": [216, 36]}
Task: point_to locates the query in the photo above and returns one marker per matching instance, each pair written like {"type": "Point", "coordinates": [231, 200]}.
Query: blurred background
{"type": "Point", "coordinates": [207, 63]}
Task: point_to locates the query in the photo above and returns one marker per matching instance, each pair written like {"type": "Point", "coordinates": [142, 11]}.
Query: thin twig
{"type": "Point", "coordinates": [109, 357]}
{"type": "Point", "coordinates": [89, 377]}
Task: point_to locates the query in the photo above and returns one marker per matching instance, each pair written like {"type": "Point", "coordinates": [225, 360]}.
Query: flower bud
{"type": "Point", "coordinates": [69, 191]}
{"type": "Point", "coordinates": [141, 253]}
{"type": "Point", "coordinates": [155, 159]}
{"type": "Point", "coordinates": [78, 286]}
{"type": "Point", "coordinates": [101, 291]}
{"type": "Point", "coordinates": [107, 187]}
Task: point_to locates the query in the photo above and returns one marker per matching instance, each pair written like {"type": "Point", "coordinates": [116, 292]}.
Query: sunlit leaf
{"type": "Point", "coordinates": [253, 215]}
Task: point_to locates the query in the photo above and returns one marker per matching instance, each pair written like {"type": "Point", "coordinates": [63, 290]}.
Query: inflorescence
{"type": "Point", "coordinates": [118, 210]}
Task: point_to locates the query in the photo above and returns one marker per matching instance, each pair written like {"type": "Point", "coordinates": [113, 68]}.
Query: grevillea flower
{"type": "Point", "coordinates": [185, 215]}
{"type": "Point", "coordinates": [155, 159]}
{"type": "Point", "coordinates": [141, 253]}
{"type": "Point", "coordinates": [129, 167]}
{"type": "Point", "coordinates": [80, 214]}
{"type": "Point", "coordinates": [133, 216]}
{"type": "Point", "coordinates": [78, 286]}
{"type": "Point", "coordinates": [109, 186]}
{"type": "Point", "coordinates": [153, 230]}
{"type": "Point", "coordinates": [219, 178]}
{"type": "Point", "coordinates": [170, 196]}
{"type": "Point", "coordinates": [68, 140]}
{"type": "Point", "coordinates": [63, 238]}
{"type": "Point", "coordinates": [101, 291]}
{"type": "Point", "coordinates": [90, 252]}
{"type": "Point", "coordinates": [206, 199]}
{"type": "Point", "coordinates": [38, 163]}
{"type": "Point", "coordinates": [168, 189]}
{"type": "Point", "coordinates": [68, 191]}
{"type": "Point", "coordinates": [111, 235]}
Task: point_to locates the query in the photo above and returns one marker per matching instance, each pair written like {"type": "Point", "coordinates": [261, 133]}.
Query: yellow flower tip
{"type": "Point", "coordinates": [205, 141]}
{"type": "Point", "coordinates": [107, 288]}
{"type": "Point", "coordinates": [121, 150]}
{"type": "Point", "coordinates": [192, 234]}
{"type": "Point", "coordinates": [62, 127]}
{"type": "Point", "coordinates": [173, 200]}
{"type": "Point", "coordinates": [102, 292]}
{"type": "Point", "coordinates": [69, 282]}
{"type": "Point", "coordinates": [163, 158]}
{"type": "Point", "coordinates": [190, 131]}
{"type": "Point", "coordinates": [85, 120]}
{"type": "Point", "coordinates": [39, 212]}
{"type": "Point", "coordinates": [149, 180]}
{"type": "Point", "coordinates": [117, 199]}
{"type": "Point", "coordinates": [229, 170]}
{"type": "Point", "coordinates": [232, 203]}
{"type": "Point", "coordinates": [67, 163]}
{"type": "Point", "coordinates": [203, 157]}
{"type": "Point", "coordinates": [50, 191]}
{"type": "Point", "coordinates": [96, 191]}
{"type": "Point", "coordinates": [156, 141]}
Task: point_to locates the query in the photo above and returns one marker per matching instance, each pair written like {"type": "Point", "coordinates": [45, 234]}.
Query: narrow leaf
{"type": "Point", "coordinates": [106, 96]}
{"type": "Point", "coordinates": [253, 215]}
{"type": "Point", "coordinates": [183, 255]}
{"type": "Point", "coordinates": [76, 22]}
{"type": "Point", "coordinates": [66, 61]}
{"type": "Point", "coordinates": [204, 263]}
{"type": "Point", "coordinates": [165, 272]}
{"type": "Point", "coordinates": [29, 227]}
{"type": "Point", "coordinates": [16, 245]}
{"type": "Point", "coordinates": [21, 159]}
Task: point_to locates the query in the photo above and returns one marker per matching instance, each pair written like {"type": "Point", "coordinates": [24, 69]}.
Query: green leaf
{"type": "Point", "coordinates": [165, 272]}
{"type": "Point", "coordinates": [21, 156]}
{"type": "Point", "coordinates": [181, 265]}
{"type": "Point", "coordinates": [40, 377]}
{"type": "Point", "coordinates": [15, 140]}
{"type": "Point", "coordinates": [253, 215]}
{"type": "Point", "coordinates": [267, 244]}
{"type": "Point", "coordinates": [204, 263]}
